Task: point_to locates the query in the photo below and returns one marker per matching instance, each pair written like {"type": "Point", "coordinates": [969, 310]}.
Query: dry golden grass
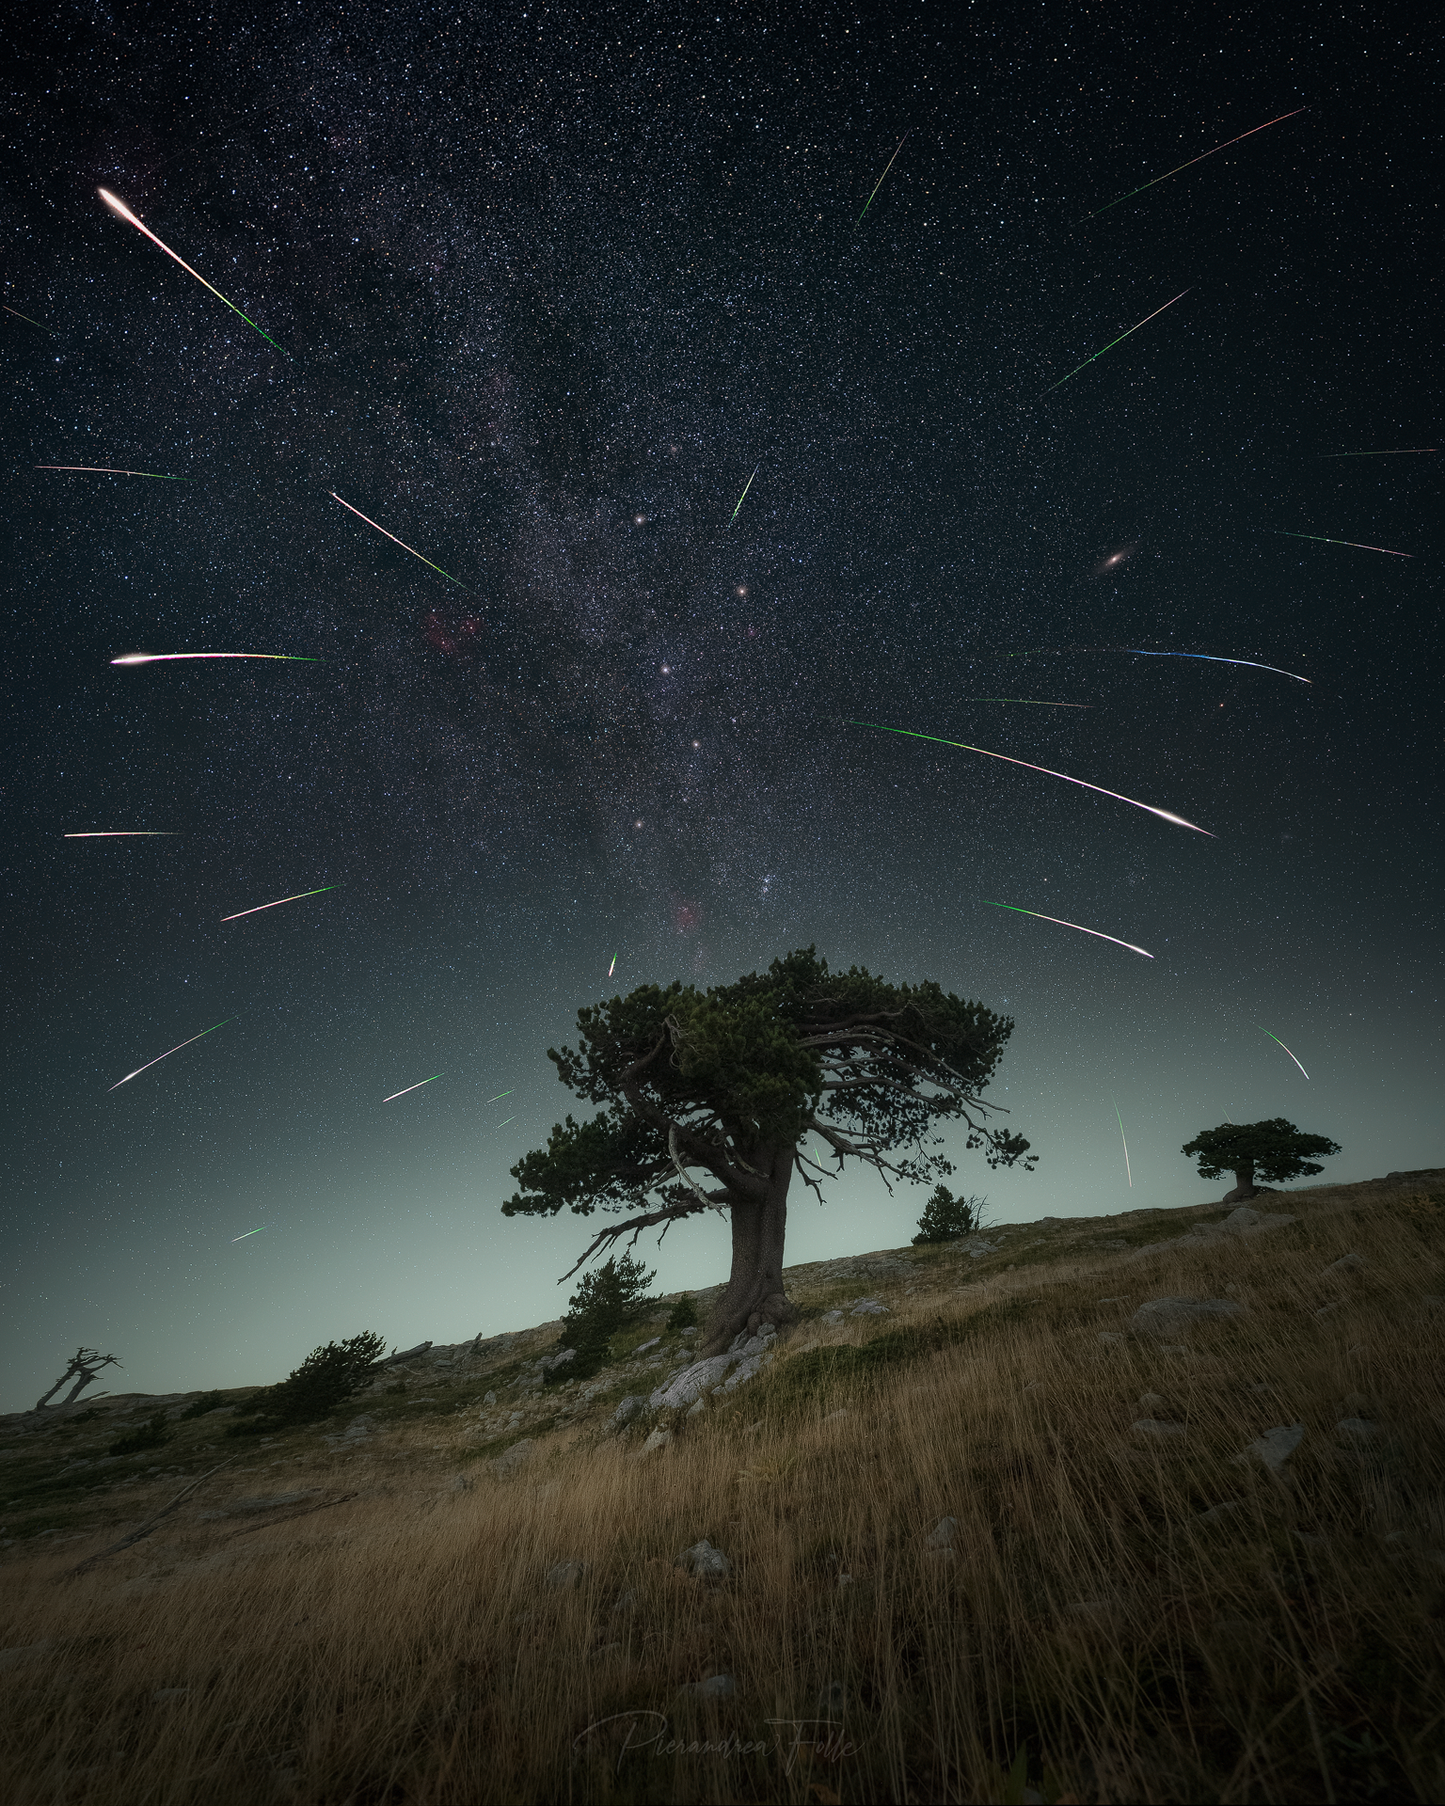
{"type": "Point", "coordinates": [1087, 1633]}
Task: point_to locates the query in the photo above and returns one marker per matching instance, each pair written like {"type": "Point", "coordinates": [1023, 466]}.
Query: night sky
{"type": "Point", "coordinates": [551, 283]}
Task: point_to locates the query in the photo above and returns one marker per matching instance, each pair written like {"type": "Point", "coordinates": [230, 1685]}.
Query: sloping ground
{"type": "Point", "coordinates": [979, 1515]}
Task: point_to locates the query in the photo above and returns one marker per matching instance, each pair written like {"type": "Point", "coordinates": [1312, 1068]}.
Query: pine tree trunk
{"type": "Point", "coordinates": [754, 1293]}
{"type": "Point", "coordinates": [1244, 1188]}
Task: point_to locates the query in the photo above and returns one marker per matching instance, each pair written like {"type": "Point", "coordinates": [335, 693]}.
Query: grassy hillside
{"type": "Point", "coordinates": [995, 1543]}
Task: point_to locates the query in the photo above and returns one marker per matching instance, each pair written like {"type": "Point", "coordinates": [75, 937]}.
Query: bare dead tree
{"type": "Point", "coordinates": [85, 1366]}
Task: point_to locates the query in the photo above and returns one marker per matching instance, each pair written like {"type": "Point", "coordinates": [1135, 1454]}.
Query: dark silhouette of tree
{"type": "Point", "coordinates": [84, 1367]}
{"type": "Point", "coordinates": [1274, 1150]}
{"type": "Point", "coordinates": [747, 1084]}
{"type": "Point", "coordinates": [947, 1219]}
{"type": "Point", "coordinates": [604, 1302]}
{"type": "Point", "coordinates": [326, 1378]}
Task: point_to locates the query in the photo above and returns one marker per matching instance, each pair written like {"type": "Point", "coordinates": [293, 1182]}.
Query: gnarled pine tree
{"type": "Point", "coordinates": [709, 1100]}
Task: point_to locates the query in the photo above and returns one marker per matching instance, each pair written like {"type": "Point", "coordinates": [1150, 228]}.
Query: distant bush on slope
{"type": "Point", "coordinates": [325, 1379]}
{"type": "Point", "coordinates": [948, 1219]}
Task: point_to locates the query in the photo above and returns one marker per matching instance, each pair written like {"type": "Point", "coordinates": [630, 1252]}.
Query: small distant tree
{"type": "Point", "coordinates": [325, 1379]}
{"type": "Point", "coordinates": [208, 1401]}
{"type": "Point", "coordinates": [84, 1366]}
{"type": "Point", "coordinates": [947, 1219]}
{"type": "Point", "coordinates": [1273, 1150]}
{"type": "Point", "coordinates": [605, 1301]}
{"type": "Point", "coordinates": [683, 1314]}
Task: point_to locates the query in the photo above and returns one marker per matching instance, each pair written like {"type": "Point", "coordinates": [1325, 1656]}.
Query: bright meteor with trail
{"type": "Point", "coordinates": [160, 658]}
{"type": "Point", "coordinates": [1063, 924]}
{"type": "Point", "coordinates": [613, 967]}
{"type": "Point", "coordinates": [416, 1087]}
{"type": "Point", "coordinates": [743, 497]}
{"type": "Point", "coordinates": [169, 1051]}
{"type": "Point", "coordinates": [124, 834]}
{"type": "Point", "coordinates": [242, 1238]}
{"type": "Point", "coordinates": [1112, 343]}
{"type": "Point", "coordinates": [1192, 161]}
{"type": "Point", "coordinates": [119, 207]}
{"type": "Point", "coordinates": [1163, 814]}
{"type": "Point", "coordinates": [1284, 533]}
{"type": "Point", "coordinates": [1214, 659]}
{"type": "Point", "coordinates": [399, 542]}
{"type": "Point", "coordinates": [1275, 1038]}
{"type": "Point", "coordinates": [277, 904]}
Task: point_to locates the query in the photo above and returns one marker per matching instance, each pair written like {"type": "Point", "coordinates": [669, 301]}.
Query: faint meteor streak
{"type": "Point", "coordinates": [1033, 701]}
{"type": "Point", "coordinates": [1063, 924]}
{"type": "Point", "coordinates": [1357, 544]}
{"type": "Point", "coordinates": [279, 901]}
{"type": "Point", "coordinates": [416, 1087]}
{"type": "Point", "coordinates": [158, 658]}
{"type": "Point", "coordinates": [503, 1124]}
{"type": "Point", "coordinates": [1127, 1168]}
{"type": "Point", "coordinates": [1408, 451]}
{"type": "Point", "coordinates": [743, 497]}
{"type": "Point", "coordinates": [399, 542]}
{"type": "Point", "coordinates": [123, 834]}
{"type": "Point", "coordinates": [884, 177]}
{"type": "Point", "coordinates": [26, 318]}
{"type": "Point", "coordinates": [241, 1238]}
{"type": "Point", "coordinates": [1214, 659]}
{"type": "Point", "coordinates": [1192, 161]}
{"type": "Point", "coordinates": [1112, 343]}
{"type": "Point", "coordinates": [1275, 1038]}
{"type": "Point", "coordinates": [105, 470]}
{"type": "Point", "coordinates": [1163, 814]}
{"type": "Point", "coordinates": [500, 1095]}
{"type": "Point", "coordinates": [169, 1051]}
{"type": "Point", "coordinates": [118, 206]}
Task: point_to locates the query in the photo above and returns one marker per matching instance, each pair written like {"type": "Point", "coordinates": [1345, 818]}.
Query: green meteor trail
{"type": "Point", "coordinates": [277, 904]}
{"type": "Point", "coordinates": [743, 497]}
{"type": "Point", "coordinates": [884, 177]}
{"type": "Point", "coordinates": [402, 543]}
{"type": "Point", "coordinates": [1359, 546]}
{"type": "Point", "coordinates": [1275, 1038]}
{"type": "Point", "coordinates": [500, 1095]}
{"type": "Point", "coordinates": [118, 206]}
{"type": "Point", "coordinates": [26, 318]}
{"type": "Point", "coordinates": [1112, 343]}
{"type": "Point", "coordinates": [1192, 161]}
{"type": "Point", "coordinates": [242, 1238]}
{"type": "Point", "coordinates": [1118, 796]}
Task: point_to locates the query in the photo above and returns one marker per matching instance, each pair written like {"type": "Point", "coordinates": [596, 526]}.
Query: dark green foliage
{"type": "Point", "coordinates": [734, 1071]}
{"type": "Point", "coordinates": [325, 1379]}
{"type": "Point", "coordinates": [208, 1401]}
{"type": "Point", "coordinates": [605, 1301]}
{"type": "Point", "coordinates": [946, 1218]}
{"type": "Point", "coordinates": [683, 1314]}
{"type": "Point", "coordinates": [1274, 1150]}
{"type": "Point", "coordinates": [150, 1435]}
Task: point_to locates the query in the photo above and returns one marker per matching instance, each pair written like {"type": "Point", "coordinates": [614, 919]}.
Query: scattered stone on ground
{"type": "Point", "coordinates": [565, 1575]}
{"type": "Point", "coordinates": [1168, 1316]}
{"type": "Point", "coordinates": [1275, 1446]}
{"type": "Point", "coordinates": [942, 1534]}
{"type": "Point", "coordinates": [716, 1686]}
{"type": "Point", "coordinates": [705, 1562]}
{"type": "Point", "coordinates": [1344, 1266]}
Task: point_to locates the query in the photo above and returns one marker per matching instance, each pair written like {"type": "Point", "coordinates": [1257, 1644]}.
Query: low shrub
{"type": "Point", "coordinates": [149, 1435]}
{"type": "Point", "coordinates": [325, 1379]}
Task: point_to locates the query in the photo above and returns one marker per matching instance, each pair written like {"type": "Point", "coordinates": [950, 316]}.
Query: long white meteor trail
{"type": "Point", "coordinates": [169, 1051]}
{"type": "Point", "coordinates": [277, 904]}
{"type": "Point", "coordinates": [1278, 1043]}
{"type": "Point", "coordinates": [1213, 658]}
{"type": "Point", "coordinates": [125, 834]}
{"type": "Point", "coordinates": [118, 206]}
{"type": "Point", "coordinates": [1059, 920]}
{"type": "Point", "coordinates": [405, 1088]}
{"type": "Point", "coordinates": [161, 658]}
{"type": "Point", "coordinates": [1048, 771]}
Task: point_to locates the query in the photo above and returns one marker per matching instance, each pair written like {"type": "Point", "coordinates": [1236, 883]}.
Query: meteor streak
{"type": "Point", "coordinates": [169, 1051]}
{"type": "Point", "coordinates": [1214, 659]}
{"type": "Point", "coordinates": [1275, 1038]}
{"type": "Point", "coordinates": [1192, 161]}
{"type": "Point", "coordinates": [502, 1125]}
{"type": "Point", "coordinates": [1127, 1168]}
{"type": "Point", "coordinates": [241, 1238]}
{"type": "Point", "coordinates": [1163, 814]}
{"type": "Point", "coordinates": [743, 497]}
{"type": "Point", "coordinates": [1033, 701]}
{"type": "Point", "coordinates": [156, 658]}
{"type": "Point", "coordinates": [1357, 544]}
{"type": "Point", "coordinates": [123, 834]}
{"type": "Point", "coordinates": [105, 470]}
{"type": "Point", "coordinates": [613, 967]}
{"type": "Point", "coordinates": [1063, 924]}
{"type": "Point", "coordinates": [500, 1095]}
{"type": "Point", "coordinates": [119, 207]}
{"type": "Point", "coordinates": [1112, 343]}
{"type": "Point", "coordinates": [276, 905]}
{"type": "Point", "coordinates": [416, 1087]}
{"type": "Point", "coordinates": [1408, 451]}
{"type": "Point", "coordinates": [884, 177]}
{"type": "Point", "coordinates": [26, 318]}
{"type": "Point", "coordinates": [399, 542]}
